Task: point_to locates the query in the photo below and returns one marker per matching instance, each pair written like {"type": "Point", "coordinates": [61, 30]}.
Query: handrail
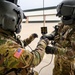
{"type": "Point", "coordinates": [45, 15]}
{"type": "Point", "coordinates": [41, 15]}
{"type": "Point", "coordinates": [38, 9]}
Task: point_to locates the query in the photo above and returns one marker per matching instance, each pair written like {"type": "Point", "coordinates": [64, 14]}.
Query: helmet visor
{"type": "Point", "coordinates": [67, 11]}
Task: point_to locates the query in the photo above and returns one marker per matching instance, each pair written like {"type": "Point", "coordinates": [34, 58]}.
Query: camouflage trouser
{"type": "Point", "coordinates": [64, 67]}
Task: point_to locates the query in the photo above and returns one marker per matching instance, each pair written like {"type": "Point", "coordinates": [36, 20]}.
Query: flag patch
{"type": "Point", "coordinates": [18, 53]}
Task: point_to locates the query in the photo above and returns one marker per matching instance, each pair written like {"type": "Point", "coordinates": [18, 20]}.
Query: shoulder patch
{"type": "Point", "coordinates": [18, 53]}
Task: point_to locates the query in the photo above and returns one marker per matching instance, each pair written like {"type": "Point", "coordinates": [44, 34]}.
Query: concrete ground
{"type": "Point", "coordinates": [48, 60]}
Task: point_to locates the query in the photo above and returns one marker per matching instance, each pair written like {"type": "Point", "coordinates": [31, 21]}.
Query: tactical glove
{"type": "Point", "coordinates": [50, 50]}
{"type": "Point", "coordinates": [49, 37]}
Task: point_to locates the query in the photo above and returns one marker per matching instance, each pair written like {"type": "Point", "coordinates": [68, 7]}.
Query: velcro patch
{"type": "Point", "coordinates": [18, 53]}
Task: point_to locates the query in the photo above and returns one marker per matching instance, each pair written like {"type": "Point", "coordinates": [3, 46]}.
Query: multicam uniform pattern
{"type": "Point", "coordinates": [12, 55]}
{"type": "Point", "coordinates": [64, 63]}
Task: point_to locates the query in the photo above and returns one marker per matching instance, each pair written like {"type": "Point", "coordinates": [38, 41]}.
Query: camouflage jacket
{"type": "Point", "coordinates": [65, 55]}
{"type": "Point", "coordinates": [65, 40]}
{"type": "Point", "coordinates": [12, 55]}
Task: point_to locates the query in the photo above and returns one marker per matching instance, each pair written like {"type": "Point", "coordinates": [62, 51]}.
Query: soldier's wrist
{"type": "Point", "coordinates": [46, 41]}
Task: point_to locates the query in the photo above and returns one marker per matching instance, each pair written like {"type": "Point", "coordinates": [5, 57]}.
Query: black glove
{"type": "Point", "coordinates": [50, 50]}
{"type": "Point", "coordinates": [49, 37]}
{"type": "Point", "coordinates": [52, 35]}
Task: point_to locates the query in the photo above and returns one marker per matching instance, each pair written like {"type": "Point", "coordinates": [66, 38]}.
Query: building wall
{"type": "Point", "coordinates": [37, 15]}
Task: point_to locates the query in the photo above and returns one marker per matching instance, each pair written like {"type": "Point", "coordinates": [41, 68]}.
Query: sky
{"type": "Point", "coordinates": [33, 4]}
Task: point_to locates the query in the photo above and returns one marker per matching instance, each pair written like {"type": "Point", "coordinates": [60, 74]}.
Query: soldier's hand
{"type": "Point", "coordinates": [35, 35]}
{"type": "Point", "coordinates": [49, 37]}
{"type": "Point", "coordinates": [50, 50]}
{"type": "Point", "coordinates": [30, 39]}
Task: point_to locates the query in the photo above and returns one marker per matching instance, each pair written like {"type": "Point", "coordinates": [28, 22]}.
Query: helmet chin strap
{"type": "Point", "coordinates": [18, 29]}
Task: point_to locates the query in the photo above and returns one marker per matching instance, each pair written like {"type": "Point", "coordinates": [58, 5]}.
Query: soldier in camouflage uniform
{"type": "Point", "coordinates": [65, 54]}
{"type": "Point", "coordinates": [64, 40]}
{"type": "Point", "coordinates": [14, 58]}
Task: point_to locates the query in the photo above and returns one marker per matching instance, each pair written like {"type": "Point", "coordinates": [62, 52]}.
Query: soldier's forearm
{"type": "Point", "coordinates": [39, 52]}
{"type": "Point", "coordinates": [30, 39]}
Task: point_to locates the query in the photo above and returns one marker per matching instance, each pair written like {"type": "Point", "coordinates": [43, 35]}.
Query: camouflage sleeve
{"type": "Point", "coordinates": [39, 52]}
{"type": "Point", "coordinates": [68, 52]}
{"type": "Point", "coordinates": [17, 57]}
{"type": "Point", "coordinates": [35, 57]}
{"type": "Point", "coordinates": [61, 51]}
{"type": "Point", "coordinates": [27, 58]}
